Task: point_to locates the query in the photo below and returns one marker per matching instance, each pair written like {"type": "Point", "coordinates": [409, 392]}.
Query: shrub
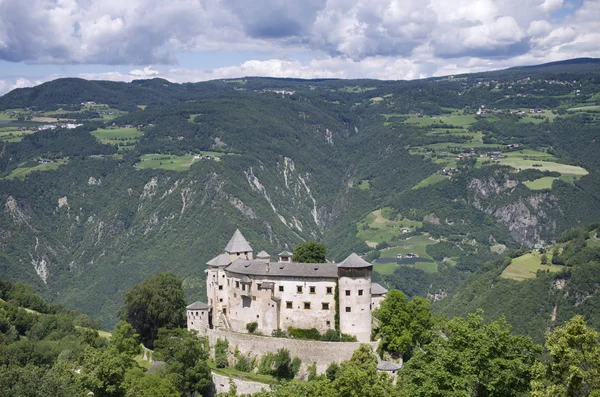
{"type": "Point", "coordinates": [279, 333]}
{"type": "Point", "coordinates": [251, 327]}
{"type": "Point", "coordinates": [331, 336]}
{"type": "Point", "coordinates": [244, 363]}
{"type": "Point", "coordinates": [279, 364]}
{"type": "Point", "coordinates": [348, 338]}
{"type": "Point", "coordinates": [302, 333]}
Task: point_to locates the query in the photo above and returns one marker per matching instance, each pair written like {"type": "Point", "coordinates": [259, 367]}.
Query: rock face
{"type": "Point", "coordinates": [528, 216]}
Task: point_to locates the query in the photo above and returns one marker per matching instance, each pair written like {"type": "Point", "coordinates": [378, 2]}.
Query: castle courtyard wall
{"type": "Point", "coordinates": [321, 353]}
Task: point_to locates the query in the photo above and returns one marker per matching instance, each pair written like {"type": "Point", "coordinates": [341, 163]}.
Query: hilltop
{"type": "Point", "coordinates": [455, 170]}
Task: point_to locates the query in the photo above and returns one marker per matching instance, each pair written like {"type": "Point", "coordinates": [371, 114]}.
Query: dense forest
{"type": "Point", "coordinates": [103, 184]}
{"type": "Point", "coordinates": [48, 350]}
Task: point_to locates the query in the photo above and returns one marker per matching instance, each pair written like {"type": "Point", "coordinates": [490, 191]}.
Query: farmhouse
{"type": "Point", "coordinates": [243, 289]}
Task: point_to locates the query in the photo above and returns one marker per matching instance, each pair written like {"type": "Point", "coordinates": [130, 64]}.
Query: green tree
{"type": "Point", "coordinates": [544, 259]}
{"type": "Point", "coordinates": [185, 355]}
{"type": "Point", "coordinates": [125, 340]}
{"type": "Point", "coordinates": [151, 385]}
{"type": "Point", "coordinates": [403, 324]}
{"type": "Point", "coordinates": [155, 303]}
{"type": "Point", "coordinates": [103, 371]}
{"type": "Point", "coordinates": [470, 358]}
{"type": "Point", "coordinates": [574, 366]}
{"type": "Point", "coordinates": [309, 252]}
{"type": "Point", "coordinates": [221, 347]}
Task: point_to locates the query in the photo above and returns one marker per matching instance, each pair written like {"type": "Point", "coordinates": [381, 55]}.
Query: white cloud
{"type": "Point", "coordinates": [346, 38]}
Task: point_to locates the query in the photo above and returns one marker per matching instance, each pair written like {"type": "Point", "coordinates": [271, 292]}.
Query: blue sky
{"type": "Point", "coordinates": [196, 40]}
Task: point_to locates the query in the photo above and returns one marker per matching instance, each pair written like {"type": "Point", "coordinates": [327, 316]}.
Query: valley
{"type": "Point", "coordinates": [429, 180]}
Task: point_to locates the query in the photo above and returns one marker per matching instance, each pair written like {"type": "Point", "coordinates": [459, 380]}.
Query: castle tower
{"type": "Point", "coordinates": [354, 280]}
{"type": "Point", "coordinates": [238, 247]}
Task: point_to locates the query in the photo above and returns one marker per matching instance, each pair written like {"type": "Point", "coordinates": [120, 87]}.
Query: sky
{"type": "Point", "coordinates": [198, 40]}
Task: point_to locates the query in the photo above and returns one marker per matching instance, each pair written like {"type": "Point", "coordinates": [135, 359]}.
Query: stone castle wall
{"type": "Point", "coordinates": [321, 353]}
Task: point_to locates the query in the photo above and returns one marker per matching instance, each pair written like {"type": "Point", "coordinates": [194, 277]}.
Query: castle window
{"type": "Point", "coordinates": [220, 287]}
{"type": "Point", "coordinates": [347, 292]}
{"type": "Point", "coordinates": [306, 305]}
{"type": "Point", "coordinates": [348, 309]}
{"type": "Point", "coordinates": [237, 284]}
{"type": "Point", "coordinates": [243, 287]}
{"type": "Point", "coordinates": [245, 301]}
{"type": "Point", "coordinates": [325, 306]}
{"type": "Point", "coordinates": [328, 323]}
{"type": "Point", "coordinates": [329, 290]}
{"type": "Point", "coordinates": [221, 300]}
{"type": "Point", "coordinates": [288, 305]}
{"type": "Point", "coordinates": [235, 295]}
{"type": "Point", "coordinates": [254, 298]}
{"type": "Point", "coordinates": [360, 292]}
{"type": "Point", "coordinates": [299, 289]}
{"type": "Point", "coordinates": [312, 289]}
{"type": "Point", "coordinates": [281, 288]}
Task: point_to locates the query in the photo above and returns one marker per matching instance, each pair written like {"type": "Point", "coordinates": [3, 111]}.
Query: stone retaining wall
{"type": "Point", "coordinates": [321, 353]}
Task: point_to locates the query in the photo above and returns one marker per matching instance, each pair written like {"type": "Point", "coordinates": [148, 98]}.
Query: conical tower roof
{"type": "Point", "coordinates": [237, 244]}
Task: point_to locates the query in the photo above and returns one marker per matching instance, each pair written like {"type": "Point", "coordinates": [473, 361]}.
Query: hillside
{"type": "Point", "coordinates": [136, 178]}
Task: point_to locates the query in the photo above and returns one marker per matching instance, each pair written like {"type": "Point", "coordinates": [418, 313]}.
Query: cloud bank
{"type": "Point", "coordinates": [390, 39]}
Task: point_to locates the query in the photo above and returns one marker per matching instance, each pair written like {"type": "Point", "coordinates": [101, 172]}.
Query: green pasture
{"type": "Point", "coordinates": [527, 265]}
{"type": "Point", "coordinates": [378, 227]}
{"type": "Point", "coordinates": [116, 133]}
{"type": "Point", "coordinates": [193, 116]}
{"type": "Point", "coordinates": [537, 118]}
{"type": "Point", "coordinates": [528, 153]}
{"type": "Point", "coordinates": [364, 184]}
{"type": "Point", "coordinates": [430, 180]}
{"type": "Point", "coordinates": [541, 183]}
{"type": "Point", "coordinates": [385, 269]}
{"type": "Point", "coordinates": [541, 165]}
{"type": "Point", "coordinates": [125, 138]}
{"type": "Point", "coordinates": [6, 116]}
{"type": "Point", "coordinates": [173, 162]}
{"type": "Point", "coordinates": [22, 171]}
{"type": "Point", "coordinates": [463, 120]}
{"type": "Point", "coordinates": [13, 134]}
{"type": "Point", "coordinates": [415, 244]}
{"type": "Point", "coordinates": [592, 108]}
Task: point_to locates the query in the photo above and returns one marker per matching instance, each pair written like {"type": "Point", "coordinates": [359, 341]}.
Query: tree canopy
{"type": "Point", "coordinates": [403, 324]}
{"type": "Point", "coordinates": [310, 252]}
{"type": "Point", "coordinates": [155, 303]}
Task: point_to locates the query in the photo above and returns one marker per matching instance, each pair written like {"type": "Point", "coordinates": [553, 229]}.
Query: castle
{"type": "Point", "coordinates": [242, 289]}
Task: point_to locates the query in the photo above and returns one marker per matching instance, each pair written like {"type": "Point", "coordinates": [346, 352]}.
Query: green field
{"type": "Point", "coordinates": [537, 118]}
{"type": "Point", "coordinates": [430, 180]}
{"type": "Point", "coordinates": [592, 108]}
{"type": "Point", "coordinates": [22, 171]}
{"type": "Point", "coordinates": [378, 227]}
{"type": "Point", "coordinates": [463, 120]}
{"type": "Point", "coordinates": [172, 162]}
{"type": "Point", "coordinates": [564, 169]}
{"type": "Point", "coordinates": [527, 265]}
{"type": "Point", "coordinates": [529, 154]}
{"type": "Point", "coordinates": [13, 134]}
{"type": "Point", "coordinates": [541, 184]}
{"type": "Point", "coordinates": [116, 133]}
{"type": "Point", "coordinates": [364, 185]}
{"type": "Point", "coordinates": [193, 116]}
{"type": "Point", "coordinates": [415, 244]}
{"type": "Point", "coordinates": [125, 138]}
